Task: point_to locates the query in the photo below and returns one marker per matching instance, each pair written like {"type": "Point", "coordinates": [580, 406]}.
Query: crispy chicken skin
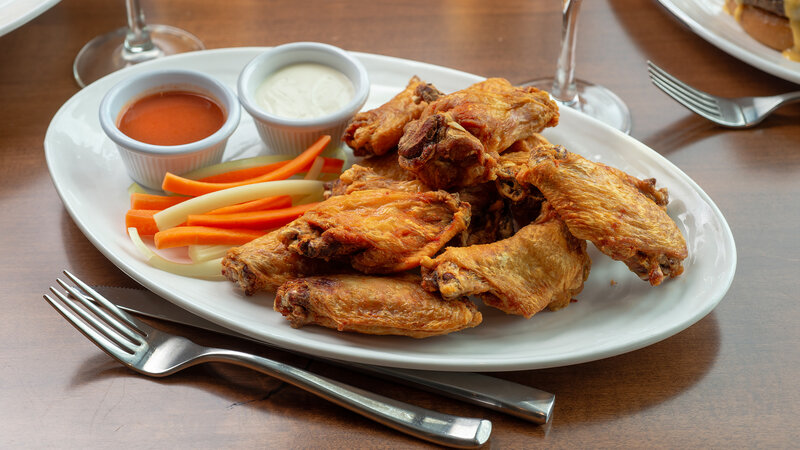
{"type": "Point", "coordinates": [366, 304]}
{"type": "Point", "coordinates": [623, 216]}
{"type": "Point", "coordinates": [378, 130]}
{"type": "Point", "coordinates": [541, 266]}
{"type": "Point", "coordinates": [498, 113]}
{"type": "Point", "coordinates": [360, 178]}
{"type": "Point", "coordinates": [457, 139]}
{"type": "Point", "coordinates": [379, 230]}
{"type": "Point", "coordinates": [490, 216]}
{"type": "Point", "coordinates": [388, 166]}
{"type": "Point", "coordinates": [265, 263]}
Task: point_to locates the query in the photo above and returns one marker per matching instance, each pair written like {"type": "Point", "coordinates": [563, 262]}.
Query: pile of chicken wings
{"type": "Point", "coordinates": [457, 196]}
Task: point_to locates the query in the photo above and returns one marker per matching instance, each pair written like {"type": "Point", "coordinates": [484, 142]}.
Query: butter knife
{"type": "Point", "coordinates": [494, 393]}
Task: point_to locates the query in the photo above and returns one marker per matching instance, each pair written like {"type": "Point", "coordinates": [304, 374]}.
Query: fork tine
{"type": "Point", "coordinates": [696, 97]}
{"type": "Point", "coordinates": [109, 319]}
{"type": "Point", "coordinates": [134, 323]}
{"type": "Point", "coordinates": [700, 99]}
{"type": "Point", "coordinates": [668, 77]}
{"type": "Point", "coordinates": [99, 325]}
{"type": "Point", "coordinates": [92, 334]}
{"type": "Point", "coordinates": [687, 102]}
{"type": "Point", "coordinates": [711, 108]}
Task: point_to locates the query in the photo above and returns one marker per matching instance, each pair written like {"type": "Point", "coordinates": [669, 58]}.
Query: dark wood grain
{"type": "Point", "coordinates": [728, 381]}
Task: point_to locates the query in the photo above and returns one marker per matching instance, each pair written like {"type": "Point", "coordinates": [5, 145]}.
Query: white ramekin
{"type": "Point", "coordinates": [292, 136]}
{"type": "Point", "coordinates": [146, 163]}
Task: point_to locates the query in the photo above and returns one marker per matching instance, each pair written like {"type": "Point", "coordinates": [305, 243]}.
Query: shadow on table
{"type": "Point", "coordinates": [626, 384]}
{"type": "Point", "coordinates": [693, 128]}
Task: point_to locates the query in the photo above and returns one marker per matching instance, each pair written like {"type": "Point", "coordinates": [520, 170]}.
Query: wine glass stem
{"type": "Point", "coordinates": [564, 89]}
{"type": "Point", "coordinates": [137, 40]}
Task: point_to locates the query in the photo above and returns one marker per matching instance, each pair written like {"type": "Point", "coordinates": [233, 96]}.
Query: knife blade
{"type": "Point", "coordinates": [501, 395]}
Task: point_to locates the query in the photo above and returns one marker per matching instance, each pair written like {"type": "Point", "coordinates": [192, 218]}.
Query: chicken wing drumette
{"type": "Point", "coordinates": [265, 263]}
{"type": "Point", "coordinates": [378, 130]}
{"type": "Point", "coordinates": [457, 139]}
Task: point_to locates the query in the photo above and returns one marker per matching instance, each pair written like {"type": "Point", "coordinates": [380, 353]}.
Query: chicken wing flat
{"type": "Point", "coordinates": [378, 131]}
{"type": "Point", "coordinates": [625, 217]}
{"type": "Point", "coordinates": [360, 178]}
{"type": "Point", "coordinates": [458, 137]}
{"type": "Point", "coordinates": [265, 263]}
{"type": "Point", "coordinates": [541, 266]}
{"type": "Point", "coordinates": [379, 230]}
{"type": "Point", "coordinates": [490, 216]}
{"type": "Point", "coordinates": [394, 305]}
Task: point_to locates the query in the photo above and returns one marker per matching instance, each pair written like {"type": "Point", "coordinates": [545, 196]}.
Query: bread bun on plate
{"type": "Point", "coordinates": [774, 23]}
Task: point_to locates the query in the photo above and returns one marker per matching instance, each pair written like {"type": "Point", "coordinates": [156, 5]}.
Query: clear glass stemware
{"type": "Point", "coordinates": [592, 99]}
{"type": "Point", "coordinates": [130, 45]}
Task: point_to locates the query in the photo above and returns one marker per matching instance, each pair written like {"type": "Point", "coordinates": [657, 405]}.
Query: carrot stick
{"type": "Point", "coordinates": [258, 220]}
{"type": "Point", "coordinates": [277, 202]}
{"type": "Point", "coordinates": [142, 220]}
{"type": "Point", "coordinates": [141, 200]}
{"type": "Point", "coordinates": [182, 236]}
{"type": "Point", "coordinates": [243, 174]}
{"type": "Point", "coordinates": [331, 165]}
{"type": "Point", "coordinates": [180, 185]}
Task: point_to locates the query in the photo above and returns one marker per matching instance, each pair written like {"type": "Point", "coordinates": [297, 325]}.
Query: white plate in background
{"type": "Point", "coordinates": [709, 21]}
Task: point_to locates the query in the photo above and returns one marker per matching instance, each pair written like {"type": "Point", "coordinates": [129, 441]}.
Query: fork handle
{"type": "Point", "coordinates": [776, 101]}
{"type": "Point", "coordinates": [433, 426]}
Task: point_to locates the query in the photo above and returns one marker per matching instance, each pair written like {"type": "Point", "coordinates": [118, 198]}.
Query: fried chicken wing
{"type": "Point", "coordinates": [542, 265]}
{"type": "Point", "coordinates": [379, 230]}
{"type": "Point", "coordinates": [373, 305]}
{"type": "Point", "coordinates": [443, 154]}
{"type": "Point", "coordinates": [378, 131]}
{"type": "Point", "coordinates": [387, 165]}
{"type": "Point", "coordinates": [625, 217]}
{"type": "Point", "coordinates": [265, 263]}
{"type": "Point", "coordinates": [360, 178]}
{"type": "Point", "coordinates": [457, 139]}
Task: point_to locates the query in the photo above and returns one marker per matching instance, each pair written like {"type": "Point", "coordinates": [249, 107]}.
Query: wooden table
{"type": "Point", "coordinates": [728, 381]}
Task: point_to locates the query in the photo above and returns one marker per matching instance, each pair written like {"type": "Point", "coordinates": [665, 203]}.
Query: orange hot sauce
{"type": "Point", "coordinates": [171, 118]}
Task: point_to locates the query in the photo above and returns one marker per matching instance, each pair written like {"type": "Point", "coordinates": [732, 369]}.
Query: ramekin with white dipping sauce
{"type": "Point", "coordinates": [300, 91]}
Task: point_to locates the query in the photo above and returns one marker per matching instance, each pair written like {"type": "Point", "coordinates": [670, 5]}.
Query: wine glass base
{"type": "Point", "coordinates": [106, 53]}
{"type": "Point", "coordinates": [594, 100]}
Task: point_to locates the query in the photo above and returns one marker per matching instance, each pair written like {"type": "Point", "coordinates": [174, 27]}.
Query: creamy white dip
{"type": "Point", "coordinates": [304, 91]}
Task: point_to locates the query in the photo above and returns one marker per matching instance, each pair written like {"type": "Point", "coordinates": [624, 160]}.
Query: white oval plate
{"type": "Point", "coordinates": [615, 313]}
{"type": "Point", "coordinates": [708, 20]}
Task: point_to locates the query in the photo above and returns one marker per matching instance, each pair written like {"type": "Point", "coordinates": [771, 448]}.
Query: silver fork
{"type": "Point", "coordinates": [741, 112]}
{"type": "Point", "coordinates": [156, 353]}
